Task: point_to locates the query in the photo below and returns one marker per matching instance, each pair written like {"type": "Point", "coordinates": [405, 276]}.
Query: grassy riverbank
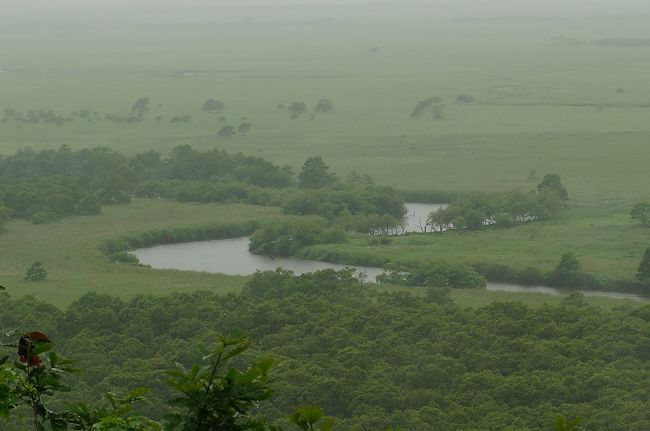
{"type": "Point", "coordinates": [608, 245]}
{"type": "Point", "coordinates": [69, 250]}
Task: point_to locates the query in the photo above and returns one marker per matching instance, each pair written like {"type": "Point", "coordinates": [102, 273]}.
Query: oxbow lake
{"type": "Point", "coordinates": [232, 257]}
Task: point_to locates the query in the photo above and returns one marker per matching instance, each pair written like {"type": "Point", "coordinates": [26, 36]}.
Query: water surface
{"type": "Point", "coordinates": [232, 257]}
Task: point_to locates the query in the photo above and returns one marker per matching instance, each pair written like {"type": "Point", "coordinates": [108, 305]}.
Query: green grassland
{"type": "Point", "coordinates": [608, 246]}
{"type": "Point", "coordinates": [539, 105]}
{"type": "Point", "coordinates": [68, 249]}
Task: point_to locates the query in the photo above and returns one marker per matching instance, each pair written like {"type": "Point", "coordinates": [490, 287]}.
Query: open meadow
{"type": "Point", "coordinates": [545, 97]}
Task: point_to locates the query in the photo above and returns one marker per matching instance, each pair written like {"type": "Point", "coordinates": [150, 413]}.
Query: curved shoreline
{"type": "Point", "coordinates": [232, 257]}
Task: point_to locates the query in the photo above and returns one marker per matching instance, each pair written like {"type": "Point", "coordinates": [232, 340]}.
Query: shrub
{"type": "Point", "coordinates": [36, 272]}
{"type": "Point", "coordinates": [44, 217]}
{"type": "Point", "coordinates": [288, 237]}
{"type": "Point", "coordinates": [124, 257]}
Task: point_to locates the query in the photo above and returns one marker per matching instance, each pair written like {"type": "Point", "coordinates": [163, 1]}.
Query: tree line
{"type": "Point", "coordinates": [46, 185]}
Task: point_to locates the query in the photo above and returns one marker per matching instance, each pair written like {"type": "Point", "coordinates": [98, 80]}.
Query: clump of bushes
{"type": "Point", "coordinates": [36, 272]}
{"type": "Point", "coordinates": [286, 238]}
{"type": "Point", "coordinates": [433, 274]}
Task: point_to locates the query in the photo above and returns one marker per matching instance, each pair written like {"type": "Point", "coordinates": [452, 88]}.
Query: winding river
{"type": "Point", "coordinates": [231, 256]}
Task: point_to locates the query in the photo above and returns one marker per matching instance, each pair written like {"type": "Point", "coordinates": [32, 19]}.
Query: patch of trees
{"type": "Point", "coordinates": [186, 163]}
{"type": "Point", "coordinates": [50, 184]}
{"type": "Point", "coordinates": [314, 174]}
{"type": "Point", "coordinates": [643, 273]}
{"type": "Point", "coordinates": [45, 199]}
{"type": "Point", "coordinates": [432, 106]}
{"type": "Point", "coordinates": [227, 131]}
{"type": "Point", "coordinates": [36, 272]}
{"type": "Point", "coordinates": [100, 171]}
{"type": "Point", "coordinates": [212, 105]}
{"type": "Point", "coordinates": [641, 213]}
{"type": "Point", "coordinates": [298, 108]}
{"type": "Point", "coordinates": [140, 106]}
{"type": "Point", "coordinates": [347, 199]}
{"type": "Point", "coordinates": [244, 128]}
{"type": "Point", "coordinates": [215, 176]}
{"type": "Point", "coordinates": [372, 360]}
{"type": "Point", "coordinates": [433, 274]}
{"type": "Point", "coordinates": [49, 116]}
{"type": "Point", "coordinates": [568, 274]}
{"type": "Point", "coordinates": [181, 119]}
{"type": "Point", "coordinates": [324, 106]}
{"type": "Point", "coordinates": [464, 99]}
{"type": "Point", "coordinates": [39, 116]}
{"type": "Point", "coordinates": [476, 211]}
{"type": "Point", "coordinates": [286, 238]}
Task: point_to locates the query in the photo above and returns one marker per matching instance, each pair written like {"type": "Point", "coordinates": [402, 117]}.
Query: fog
{"type": "Point", "coordinates": [459, 8]}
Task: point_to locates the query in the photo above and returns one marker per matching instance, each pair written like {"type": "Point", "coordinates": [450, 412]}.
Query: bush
{"type": "Point", "coordinates": [44, 217]}
{"type": "Point", "coordinates": [36, 272]}
{"type": "Point", "coordinates": [433, 274]}
{"type": "Point", "coordinates": [125, 258]}
{"type": "Point", "coordinates": [288, 237]}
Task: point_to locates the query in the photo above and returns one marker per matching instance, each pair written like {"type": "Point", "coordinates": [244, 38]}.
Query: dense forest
{"type": "Point", "coordinates": [372, 360]}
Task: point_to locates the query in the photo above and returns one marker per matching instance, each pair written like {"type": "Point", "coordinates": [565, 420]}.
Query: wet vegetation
{"type": "Point", "coordinates": [307, 129]}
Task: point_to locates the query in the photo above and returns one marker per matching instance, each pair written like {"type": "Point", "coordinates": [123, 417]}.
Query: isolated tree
{"type": "Point", "coordinates": [212, 105]}
{"type": "Point", "coordinates": [464, 99]}
{"type": "Point", "coordinates": [552, 183]}
{"type": "Point", "coordinates": [432, 105]}
{"type": "Point", "coordinates": [36, 272]}
{"type": "Point", "coordinates": [297, 108]}
{"type": "Point", "coordinates": [641, 213]}
{"type": "Point", "coordinates": [227, 131]}
{"type": "Point", "coordinates": [643, 273]}
{"type": "Point", "coordinates": [244, 128]}
{"type": "Point", "coordinates": [568, 263]}
{"type": "Point", "coordinates": [532, 174]}
{"type": "Point", "coordinates": [314, 174]}
{"type": "Point", "coordinates": [140, 107]}
{"type": "Point", "coordinates": [323, 106]}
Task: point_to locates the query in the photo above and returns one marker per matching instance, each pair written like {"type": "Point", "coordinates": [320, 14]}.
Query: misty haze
{"type": "Point", "coordinates": [277, 215]}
